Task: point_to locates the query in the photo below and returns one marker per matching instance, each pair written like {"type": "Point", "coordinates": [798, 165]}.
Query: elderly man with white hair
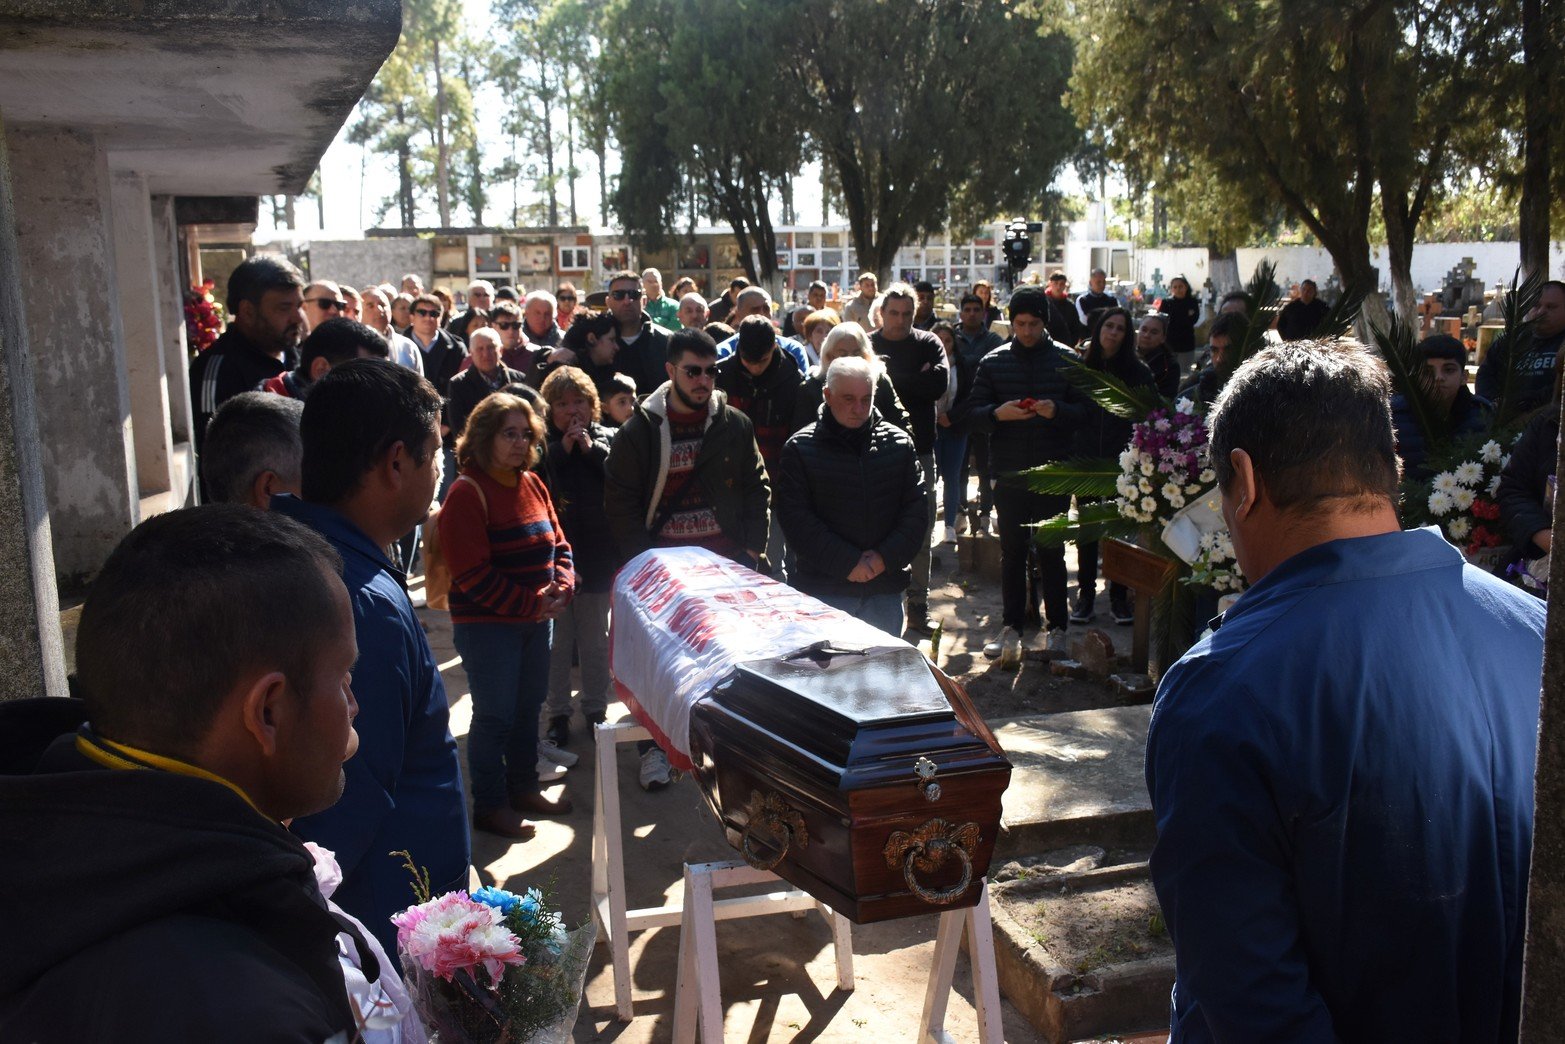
{"type": "Point", "coordinates": [850, 493]}
{"type": "Point", "coordinates": [480, 298]}
{"type": "Point", "coordinates": [663, 310]}
{"type": "Point", "coordinates": [539, 309]}
{"type": "Point", "coordinates": [693, 312]}
{"type": "Point", "coordinates": [752, 300]}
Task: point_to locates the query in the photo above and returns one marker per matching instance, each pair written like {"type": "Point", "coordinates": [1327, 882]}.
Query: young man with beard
{"type": "Point", "coordinates": [685, 470]}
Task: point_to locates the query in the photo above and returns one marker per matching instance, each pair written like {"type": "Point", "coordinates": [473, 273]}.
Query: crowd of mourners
{"type": "Point", "coordinates": [527, 446]}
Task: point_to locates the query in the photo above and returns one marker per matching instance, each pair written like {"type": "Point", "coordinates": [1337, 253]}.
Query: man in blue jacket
{"type": "Point", "coordinates": [371, 462]}
{"type": "Point", "coordinates": [1342, 772]}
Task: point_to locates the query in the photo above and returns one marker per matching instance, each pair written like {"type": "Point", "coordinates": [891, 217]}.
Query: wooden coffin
{"type": "Point", "coordinates": [864, 777]}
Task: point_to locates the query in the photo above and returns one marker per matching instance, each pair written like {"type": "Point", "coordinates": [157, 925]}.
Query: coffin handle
{"type": "Point", "coordinates": [773, 813]}
{"type": "Point", "coordinates": [927, 849]}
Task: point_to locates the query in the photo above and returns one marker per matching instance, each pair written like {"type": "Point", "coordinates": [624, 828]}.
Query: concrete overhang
{"type": "Point", "coordinates": [203, 97]}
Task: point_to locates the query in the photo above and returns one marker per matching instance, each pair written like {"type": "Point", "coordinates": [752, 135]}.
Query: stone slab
{"type": "Point", "coordinates": [1078, 780]}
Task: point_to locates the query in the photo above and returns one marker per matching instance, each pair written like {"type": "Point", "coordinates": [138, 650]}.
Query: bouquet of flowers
{"type": "Point", "coordinates": [492, 966]}
{"type": "Point", "coordinates": [203, 316]}
{"type": "Point", "coordinates": [1164, 465]}
{"type": "Point", "coordinates": [1461, 498]}
{"type": "Point", "coordinates": [1216, 566]}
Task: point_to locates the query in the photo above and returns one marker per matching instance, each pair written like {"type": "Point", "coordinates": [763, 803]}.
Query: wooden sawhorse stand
{"type": "Point", "coordinates": [698, 1001]}
{"type": "Point", "coordinates": [616, 922]}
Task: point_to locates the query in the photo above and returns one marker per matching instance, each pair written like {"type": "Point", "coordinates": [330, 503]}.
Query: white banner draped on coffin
{"type": "Point", "coordinates": [684, 617]}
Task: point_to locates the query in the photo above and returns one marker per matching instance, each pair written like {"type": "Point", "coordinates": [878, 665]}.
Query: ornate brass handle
{"type": "Point", "coordinates": [928, 848]}
{"type": "Point", "coordinates": [772, 812]}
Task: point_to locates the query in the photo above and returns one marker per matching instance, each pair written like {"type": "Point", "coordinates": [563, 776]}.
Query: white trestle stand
{"type": "Point", "coordinates": [698, 1000]}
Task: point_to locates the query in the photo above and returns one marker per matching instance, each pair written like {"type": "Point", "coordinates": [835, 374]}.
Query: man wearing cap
{"type": "Point", "coordinates": [1065, 326]}
{"type": "Point", "coordinates": [1022, 400]}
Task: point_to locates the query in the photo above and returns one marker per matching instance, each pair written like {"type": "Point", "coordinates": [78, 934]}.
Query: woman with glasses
{"type": "Point", "coordinates": [565, 305]}
{"type": "Point", "coordinates": [511, 575]}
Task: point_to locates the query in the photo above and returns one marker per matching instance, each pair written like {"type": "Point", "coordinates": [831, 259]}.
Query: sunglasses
{"type": "Point", "coordinates": [506, 326]}
{"type": "Point", "coordinates": [625, 295]}
{"type": "Point", "coordinates": [567, 297]}
{"type": "Point", "coordinates": [327, 302]}
{"type": "Point", "coordinates": [426, 313]}
{"type": "Point", "coordinates": [699, 371]}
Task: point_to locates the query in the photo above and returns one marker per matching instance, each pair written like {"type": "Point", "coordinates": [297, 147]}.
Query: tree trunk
{"type": "Point", "coordinates": [442, 166]}
{"type": "Point", "coordinates": [1223, 271]}
{"type": "Point", "coordinates": [290, 219]}
{"type": "Point", "coordinates": [545, 96]}
{"type": "Point", "coordinates": [1538, 66]}
{"type": "Point", "coordinates": [404, 171]}
{"type": "Point", "coordinates": [570, 144]}
{"type": "Point", "coordinates": [1399, 258]}
{"type": "Point", "coordinates": [601, 148]}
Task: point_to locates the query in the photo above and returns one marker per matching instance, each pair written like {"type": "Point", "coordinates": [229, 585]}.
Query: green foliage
{"type": "Point", "coordinates": [1110, 392]}
{"type": "Point", "coordinates": [1520, 300]}
{"type": "Point", "coordinates": [929, 112]}
{"type": "Point", "coordinates": [420, 882]}
{"type": "Point", "coordinates": [1092, 522]}
{"type": "Point", "coordinates": [1074, 478]}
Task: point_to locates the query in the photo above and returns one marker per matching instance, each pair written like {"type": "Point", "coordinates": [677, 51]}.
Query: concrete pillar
{"type": "Point", "coordinates": [32, 660]}
{"type": "Point", "coordinates": [141, 318]}
{"type": "Point", "coordinates": [171, 290]}
{"type": "Point", "coordinates": [70, 287]}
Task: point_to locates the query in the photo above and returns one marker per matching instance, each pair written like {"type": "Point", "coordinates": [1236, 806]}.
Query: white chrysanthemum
{"type": "Point", "coordinates": [1192, 489]}
{"type": "Point", "coordinates": [1184, 406]}
{"type": "Point", "coordinates": [1494, 486]}
{"type": "Point", "coordinates": [1458, 528]}
{"type": "Point", "coordinates": [1170, 490]}
{"type": "Point", "coordinates": [1176, 502]}
{"type": "Point", "coordinates": [1148, 505]}
{"type": "Point", "coordinates": [1491, 452]}
{"type": "Point", "coordinates": [1147, 467]}
{"type": "Point", "coordinates": [1470, 473]}
{"type": "Point", "coordinates": [1208, 476]}
{"type": "Point", "coordinates": [1125, 486]}
{"type": "Point", "coordinates": [1463, 499]}
{"type": "Point", "coordinates": [1127, 459]}
{"type": "Point", "coordinates": [1505, 461]}
{"type": "Point", "coordinates": [1445, 482]}
{"type": "Point", "coordinates": [1440, 502]}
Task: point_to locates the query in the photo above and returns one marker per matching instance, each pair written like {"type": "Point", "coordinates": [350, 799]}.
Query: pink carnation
{"type": "Point", "coordinates": [453, 933]}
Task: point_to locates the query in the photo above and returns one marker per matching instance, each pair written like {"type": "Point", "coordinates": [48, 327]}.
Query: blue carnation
{"type": "Point", "coordinates": [498, 898]}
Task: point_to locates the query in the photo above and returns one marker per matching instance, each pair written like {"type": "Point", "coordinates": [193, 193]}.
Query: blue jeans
{"type": "Point", "coordinates": [881, 610]}
{"type": "Point", "coordinates": [507, 667]}
{"type": "Point", "coordinates": [950, 454]}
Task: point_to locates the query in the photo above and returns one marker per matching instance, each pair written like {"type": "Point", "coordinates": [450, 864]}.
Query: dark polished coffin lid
{"type": "Point", "coordinates": [878, 759]}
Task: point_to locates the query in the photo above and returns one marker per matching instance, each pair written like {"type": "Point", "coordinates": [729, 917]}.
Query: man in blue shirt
{"type": "Point", "coordinates": [371, 462]}
{"type": "Point", "coordinates": [1342, 772]}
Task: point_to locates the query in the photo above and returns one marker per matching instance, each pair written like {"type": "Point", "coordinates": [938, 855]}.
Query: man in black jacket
{"type": "Point", "coordinates": [1302, 316]}
{"type": "Point", "coordinates": [1531, 384]}
{"type": "Point", "coordinates": [1021, 398]}
{"type": "Point", "coordinates": [850, 493]}
{"type": "Point", "coordinates": [643, 345]}
{"type": "Point", "coordinates": [483, 378]}
{"type": "Point", "coordinates": [763, 384]}
{"type": "Point", "coordinates": [974, 340]}
{"type": "Point", "coordinates": [443, 357]}
{"type": "Point", "coordinates": [152, 890]}
{"type": "Point", "coordinates": [265, 325]}
{"type": "Point", "coordinates": [916, 363]}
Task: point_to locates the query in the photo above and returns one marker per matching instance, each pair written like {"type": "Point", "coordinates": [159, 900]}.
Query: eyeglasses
{"type": "Point", "coordinates": [699, 371]}
{"type": "Point", "coordinates": [327, 302]}
{"type": "Point", "coordinates": [625, 295]}
{"type": "Point", "coordinates": [506, 326]}
{"type": "Point", "coordinates": [567, 297]}
{"type": "Point", "coordinates": [426, 313]}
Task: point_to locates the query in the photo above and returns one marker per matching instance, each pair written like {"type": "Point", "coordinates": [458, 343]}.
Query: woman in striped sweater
{"type": "Point", "coordinates": [511, 575]}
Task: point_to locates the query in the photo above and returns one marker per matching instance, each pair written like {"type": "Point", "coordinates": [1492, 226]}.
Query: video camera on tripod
{"type": "Point", "coordinates": [1017, 246]}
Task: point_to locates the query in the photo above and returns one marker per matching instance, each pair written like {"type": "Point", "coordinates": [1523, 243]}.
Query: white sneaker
{"type": "Point", "coordinates": [1007, 648]}
{"type": "Point", "coordinates": [549, 752]}
{"type": "Point", "coordinates": [949, 535]}
{"type": "Point", "coordinates": [549, 772]}
{"type": "Point", "coordinates": [655, 773]}
{"type": "Point", "coordinates": [961, 525]}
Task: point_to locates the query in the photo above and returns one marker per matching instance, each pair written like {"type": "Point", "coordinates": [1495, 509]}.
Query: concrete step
{"type": "Point", "coordinates": [1078, 779]}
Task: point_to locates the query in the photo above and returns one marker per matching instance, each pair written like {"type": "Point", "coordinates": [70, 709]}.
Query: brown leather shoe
{"type": "Point", "coordinates": [505, 822]}
{"type": "Point", "coordinates": [538, 805]}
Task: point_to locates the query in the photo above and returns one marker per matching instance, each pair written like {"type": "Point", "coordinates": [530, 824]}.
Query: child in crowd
{"type": "Point", "coordinates": [620, 402]}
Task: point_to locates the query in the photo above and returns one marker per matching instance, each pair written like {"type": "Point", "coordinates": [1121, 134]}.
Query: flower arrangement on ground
{"type": "Point", "coordinates": [1164, 465]}
{"type": "Point", "coordinates": [1460, 499]}
{"type": "Point", "coordinates": [492, 966]}
{"type": "Point", "coordinates": [204, 317]}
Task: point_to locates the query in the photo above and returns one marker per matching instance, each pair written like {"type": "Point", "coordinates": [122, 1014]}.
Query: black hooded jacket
{"type": "Point", "coordinates": [142, 904]}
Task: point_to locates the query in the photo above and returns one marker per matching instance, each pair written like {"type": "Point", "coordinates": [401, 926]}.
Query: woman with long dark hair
{"type": "Point", "coordinates": [1103, 434]}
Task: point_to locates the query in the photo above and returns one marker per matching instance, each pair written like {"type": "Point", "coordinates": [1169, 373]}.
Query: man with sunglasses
{"type": "Point", "coordinates": [643, 346]}
{"type": "Point", "coordinates": [684, 471]}
{"type": "Point", "coordinates": [323, 300]}
{"type": "Point", "coordinates": [515, 352]}
{"type": "Point", "coordinates": [443, 357]}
